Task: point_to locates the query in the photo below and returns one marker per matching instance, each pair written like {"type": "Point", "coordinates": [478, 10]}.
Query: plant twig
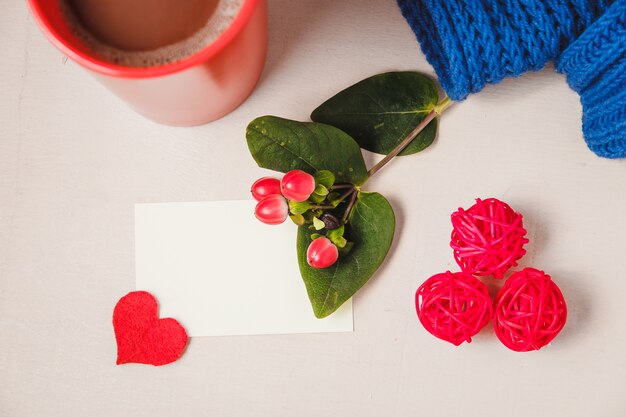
{"type": "Point", "coordinates": [322, 207]}
{"type": "Point", "coordinates": [436, 111]}
{"type": "Point", "coordinates": [346, 194]}
{"type": "Point", "coordinates": [340, 186]}
{"type": "Point", "coordinates": [349, 207]}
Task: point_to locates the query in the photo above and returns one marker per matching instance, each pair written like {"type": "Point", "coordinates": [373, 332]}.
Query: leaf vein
{"type": "Point", "coordinates": [275, 141]}
{"type": "Point", "coordinates": [330, 286]}
{"type": "Point", "coordinates": [385, 113]}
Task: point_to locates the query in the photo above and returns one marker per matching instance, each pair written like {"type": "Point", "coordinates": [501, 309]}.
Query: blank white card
{"type": "Point", "coordinates": [219, 271]}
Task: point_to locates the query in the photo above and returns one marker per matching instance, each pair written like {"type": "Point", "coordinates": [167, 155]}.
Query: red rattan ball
{"type": "Point", "coordinates": [453, 306]}
{"type": "Point", "coordinates": [488, 238]}
{"type": "Point", "coordinates": [530, 311]}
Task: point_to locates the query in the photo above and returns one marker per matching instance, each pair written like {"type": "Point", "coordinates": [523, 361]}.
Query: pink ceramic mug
{"type": "Point", "coordinates": [198, 89]}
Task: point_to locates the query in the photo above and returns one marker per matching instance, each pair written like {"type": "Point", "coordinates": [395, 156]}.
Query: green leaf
{"type": "Point", "coordinates": [284, 145]}
{"type": "Point", "coordinates": [298, 219]}
{"type": "Point", "coordinates": [318, 224]}
{"type": "Point", "coordinates": [346, 249]}
{"type": "Point", "coordinates": [340, 242]}
{"type": "Point", "coordinates": [316, 198]}
{"type": "Point", "coordinates": [380, 111]}
{"type": "Point", "coordinates": [336, 233]}
{"type": "Point", "coordinates": [299, 207]}
{"type": "Point", "coordinates": [371, 227]}
{"type": "Point", "coordinates": [325, 178]}
{"type": "Point", "coordinates": [321, 190]}
{"type": "Point", "coordinates": [333, 198]}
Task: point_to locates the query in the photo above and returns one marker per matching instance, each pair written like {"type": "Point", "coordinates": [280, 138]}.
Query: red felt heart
{"type": "Point", "coordinates": [141, 336]}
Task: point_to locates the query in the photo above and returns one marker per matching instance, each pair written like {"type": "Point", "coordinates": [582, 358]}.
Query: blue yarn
{"type": "Point", "coordinates": [595, 66]}
{"type": "Point", "coordinates": [472, 43]}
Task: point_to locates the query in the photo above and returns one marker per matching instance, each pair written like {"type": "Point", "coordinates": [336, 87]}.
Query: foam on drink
{"type": "Point", "coordinates": [221, 18]}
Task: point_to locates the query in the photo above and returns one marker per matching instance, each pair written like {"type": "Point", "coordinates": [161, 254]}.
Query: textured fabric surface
{"type": "Point", "coordinates": [595, 66]}
{"type": "Point", "coordinates": [141, 336]}
{"type": "Point", "coordinates": [473, 43]}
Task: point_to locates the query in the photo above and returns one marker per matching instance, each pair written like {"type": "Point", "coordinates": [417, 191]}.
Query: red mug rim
{"type": "Point", "coordinates": [107, 68]}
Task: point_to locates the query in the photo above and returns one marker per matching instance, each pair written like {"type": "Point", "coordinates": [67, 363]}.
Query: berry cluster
{"type": "Point", "coordinates": [488, 239]}
{"type": "Point", "coordinates": [311, 200]}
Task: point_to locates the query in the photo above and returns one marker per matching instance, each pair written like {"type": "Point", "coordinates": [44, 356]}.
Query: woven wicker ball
{"type": "Point", "coordinates": [453, 306]}
{"type": "Point", "coordinates": [530, 311]}
{"type": "Point", "coordinates": [488, 238]}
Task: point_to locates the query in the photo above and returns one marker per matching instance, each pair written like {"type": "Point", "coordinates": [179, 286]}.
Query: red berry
{"type": "Point", "coordinates": [272, 209]}
{"type": "Point", "coordinates": [265, 186]}
{"type": "Point", "coordinates": [297, 185]}
{"type": "Point", "coordinates": [322, 253]}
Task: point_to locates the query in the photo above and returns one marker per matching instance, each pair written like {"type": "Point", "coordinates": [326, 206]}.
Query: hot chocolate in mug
{"type": "Point", "coordinates": [178, 63]}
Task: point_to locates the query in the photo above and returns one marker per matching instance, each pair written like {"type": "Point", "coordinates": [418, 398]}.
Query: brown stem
{"type": "Point", "coordinates": [341, 198]}
{"type": "Point", "coordinates": [346, 194]}
{"type": "Point", "coordinates": [349, 207]}
{"type": "Point", "coordinates": [321, 207]}
{"type": "Point", "coordinates": [341, 187]}
{"type": "Point", "coordinates": [439, 108]}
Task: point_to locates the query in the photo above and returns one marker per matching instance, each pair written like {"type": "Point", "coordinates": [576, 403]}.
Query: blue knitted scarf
{"type": "Point", "coordinates": [471, 43]}
{"type": "Point", "coordinates": [595, 65]}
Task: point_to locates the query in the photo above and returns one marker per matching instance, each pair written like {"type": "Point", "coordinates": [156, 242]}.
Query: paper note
{"type": "Point", "coordinates": [219, 271]}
